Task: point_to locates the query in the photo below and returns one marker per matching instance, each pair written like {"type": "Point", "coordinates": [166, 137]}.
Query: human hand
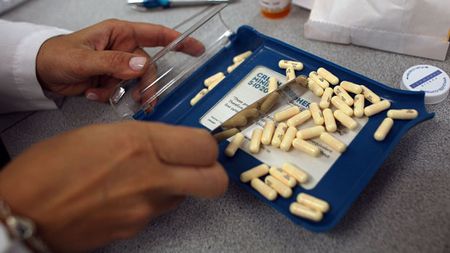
{"type": "Point", "coordinates": [100, 183]}
{"type": "Point", "coordinates": [92, 61]}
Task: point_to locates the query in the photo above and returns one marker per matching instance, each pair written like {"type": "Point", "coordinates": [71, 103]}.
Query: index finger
{"type": "Point", "coordinates": [150, 35]}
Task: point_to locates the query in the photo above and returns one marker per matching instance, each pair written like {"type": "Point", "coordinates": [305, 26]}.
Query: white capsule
{"type": "Point", "coordinates": [370, 95]}
{"type": "Point", "coordinates": [252, 106]}
{"type": "Point", "coordinates": [334, 143]}
{"type": "Point", "coordinates": [326, 98]}
{"type": "Point", "coordinates": [273, 84]}
{"type": "Point", "coordinates": [316, 114]}
{"type": "Point", "coordinates": [278, 134]}
{"type": "Point", "coordinates": [289, 136]}
{"type": "Point", "coordinates": [383, 130]}
{"type": "Point", "coordinates": [290, 73]}
{"type": "Point", "coordinates": [234, 145]}
{"type": "Point", "coordinates": [215, 83]}
{"type": "Point", "coordinates": [269, 128]}
{"type": "Point", "coordinates": [300, 175]}
{"type": "Point", "coordinates": [269, 102]}
{"type": "Point", "coordinates": [313, 202]}
{"type": "Point", "coordinates": [231, 68]}
{"type": "Point", "coordinates": [310, 132]}
{"type": "Point", "coordinates": [351, 87]}
{"type": "Point", "coordinates": [341, 105]}
{"type": "Point", "coordinates": [282, 189]}
{"type": "Point", "coordinates": [404, 114]}
{"type": "Point", "coordinates": [358, 106]}
{"type": "Point", "coordinates": [377, 108]}
{"type": "Point", "coordinates": [263, 189]}
{"type": "Point", "coordinates": [328, 76]}
{"type": "Point", "coordinates": [345, 120]}
{"type": "Point", "coordinates": [208, 81]}
{"type": "Point", "coordinates": [226, 134]}
{"type": "Point", "coordinates": [306, 147]}
{"type": "Point", "coordinates": [242, 57]}
{"type": "Point", "coordinates": [199, 96]}
{"type": "Point", "coordinates": [255, 142]}
{"type": "Point", "coordinates": [330, 122]}
{"type": "Point", "coordinates": [305, 212]}
{"type": "Point", "coordinates": [302, 80]}
{"type": "Point", "coordinates": [238, 120]}
{"type": "Point", "coordinates": [315, 88]}
{"type": "Point", "coordinates": [343, 95]}
{"type": "Point", "coordinates": [287, 113]}
{"type": "Point", "coordinates": [249, 113]}
{"type": "Point", "coordinates": [284, 64]}
{"type": "Point", "coordinates": [319, 80]}
{"type": "Point", "coordinates": [255, 172]}
{"type": "Point", "coordinates": [282, 176]}
{"type": "Point", "coordinates": [299, 119]}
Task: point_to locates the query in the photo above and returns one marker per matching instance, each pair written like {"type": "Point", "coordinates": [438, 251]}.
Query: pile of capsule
{"type": "Point", "coordinates": [280, 181]}
{"type": "Point", "coordinates": [319, 83]}
{"type": "Point", "coordinates": [212, 81]}
{"type": "Point", "coordinates": [283, 132]}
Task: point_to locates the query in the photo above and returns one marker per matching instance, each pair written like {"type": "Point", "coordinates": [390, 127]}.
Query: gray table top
{"type": "Point", "coordinates": [405, 208]}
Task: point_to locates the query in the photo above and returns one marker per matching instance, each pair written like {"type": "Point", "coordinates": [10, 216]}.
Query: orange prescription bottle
{"type": "Point", "coordinates": [275, 8]}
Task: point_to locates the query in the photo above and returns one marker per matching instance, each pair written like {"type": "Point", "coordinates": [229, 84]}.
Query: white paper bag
{"type": "Point", "coordinates": [307, 4]}
{"type": "Point", "coordinates": [413, 27]}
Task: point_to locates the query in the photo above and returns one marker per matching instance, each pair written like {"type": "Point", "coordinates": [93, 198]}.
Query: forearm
{"type": "Point", "coordinates": [19, 87]}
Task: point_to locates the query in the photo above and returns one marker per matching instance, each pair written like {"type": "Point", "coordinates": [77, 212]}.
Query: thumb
{"type": "Point", "coordinates": [117, 64]}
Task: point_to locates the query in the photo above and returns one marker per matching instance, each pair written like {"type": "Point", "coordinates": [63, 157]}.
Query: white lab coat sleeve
{"type": "Point", "coordinates": [10, 246]}
{"type": "Point", "coordinates": [19, 45]}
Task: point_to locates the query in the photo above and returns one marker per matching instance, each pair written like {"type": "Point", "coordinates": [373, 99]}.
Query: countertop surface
{"type": "Point", "coordinates": [405, 208]}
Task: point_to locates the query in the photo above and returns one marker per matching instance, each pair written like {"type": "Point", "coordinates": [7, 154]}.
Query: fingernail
{"type": "Point", "coordinates": [92, 96]}
{"type": "Point", "coordinates": [137, 63]}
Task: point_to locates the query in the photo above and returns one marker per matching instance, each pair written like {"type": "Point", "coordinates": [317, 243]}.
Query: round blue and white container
{"type": "Point", "coordinates": [430, 79]}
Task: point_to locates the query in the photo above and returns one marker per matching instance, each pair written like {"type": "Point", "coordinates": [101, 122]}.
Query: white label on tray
{"type": "Point", "coordinates": [252, 88]}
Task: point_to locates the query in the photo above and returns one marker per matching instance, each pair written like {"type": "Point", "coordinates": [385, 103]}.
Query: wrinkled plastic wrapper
{"type": "Point", "coordinates": [412, 27]}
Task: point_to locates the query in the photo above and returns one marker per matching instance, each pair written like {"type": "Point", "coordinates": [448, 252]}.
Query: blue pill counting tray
{"type": "Point", "coordinates": [334, 177]}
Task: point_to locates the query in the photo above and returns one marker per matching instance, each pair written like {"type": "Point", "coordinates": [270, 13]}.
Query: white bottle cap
{"type": "Point", "coordinates": [430, 79]}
